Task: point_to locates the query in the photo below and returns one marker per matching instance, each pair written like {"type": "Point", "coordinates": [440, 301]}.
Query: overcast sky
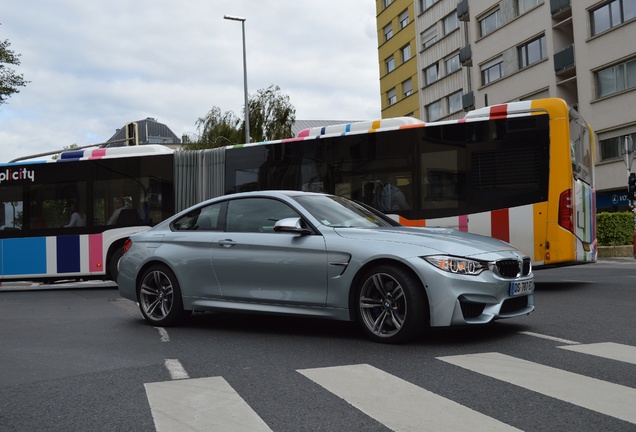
{"type": "Point", "coordinates": [95, 65]}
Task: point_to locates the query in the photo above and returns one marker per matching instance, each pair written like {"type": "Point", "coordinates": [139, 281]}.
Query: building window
{"type": "Point", "coordinates": [429, 37]}
{"type": "Point", "coordinates": [404, 19]}
{"type": "Point", "coordinates": [390, 64]}
{"type": "Point", "coordinates": [407, 87]}
{"type": "Point", "coordinates": [611, 14]}
{"type": "Point", "coordinates": [391, 96]}
{"type": "Point", "coordinates": [425, 4]}
{"type": "Point", "coordinates": [434, 111]}
{"type": "Point", "coordinates": [613, 148]}
{"type": "Point", "coordinates": [532, 52]}
{"type": "Point", "coordinates": [386, 3]}
{"type": "Point", "coordinates": [489, 23]}
{"type": "Point", "coordinates": [406, 53]}
{"type": "Point", "coordinates": [616, 78]}
{"type": "Point", "coordinates": [431, 74]}
{"type": "Point", "coordinates": [451, 23]}
{"type": "Point", "coordinates": [388, 32]}
{"type": "Point", "coordinates": [452, 64]}
{"type": "Point", "coordinates": [524, 6]}
{"type": "Point", "coordinates": [455, 102]}
{"type": "Point", "coordinates": [492, 71]}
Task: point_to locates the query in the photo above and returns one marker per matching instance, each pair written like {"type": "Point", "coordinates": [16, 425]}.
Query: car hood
{"type": "Point", "coordinates": [432, 240]}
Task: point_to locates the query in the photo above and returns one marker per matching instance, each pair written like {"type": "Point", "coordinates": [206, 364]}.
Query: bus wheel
{"type": "Point", "coordinates": [392, 306]}
{"type": "Point", "coordinates": [160, 297]}
{"type": "Point", "coordinates": [113, 263]}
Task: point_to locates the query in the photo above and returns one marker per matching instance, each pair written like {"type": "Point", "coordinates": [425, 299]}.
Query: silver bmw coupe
{"type": "Point", "coordinates": [317, 255]}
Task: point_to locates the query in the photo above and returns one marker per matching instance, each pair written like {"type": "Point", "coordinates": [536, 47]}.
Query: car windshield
{"type": "Point", "coordinates": [340, 212]}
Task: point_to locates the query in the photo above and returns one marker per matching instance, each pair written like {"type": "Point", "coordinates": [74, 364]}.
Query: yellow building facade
{"type": "Point", "coordinates": [397, 54]}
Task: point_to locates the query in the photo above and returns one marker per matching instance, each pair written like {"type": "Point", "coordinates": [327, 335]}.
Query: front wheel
{"type": "Point", "coordinates": [160, 297]}
{"type": "Point", "coordinates": [392, 305]}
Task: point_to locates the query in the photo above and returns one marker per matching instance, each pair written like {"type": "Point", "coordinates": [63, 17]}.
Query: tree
{"type": "Point", "coordinates": [10, 81]}
{"type": "Point", "coordinates": [271, 118]}
{"type": "Point", "coordinates": [216, 130]}
{"type": "Point", "coordinates": [271, 115]}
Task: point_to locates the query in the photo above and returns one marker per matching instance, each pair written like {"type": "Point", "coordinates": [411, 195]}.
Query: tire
{"type": "Point", "coordinates": [391, 305]}
{"type": "Point", "coordinates": [113, 263]}
{"type": "Point", "coordinates": [160, 298]}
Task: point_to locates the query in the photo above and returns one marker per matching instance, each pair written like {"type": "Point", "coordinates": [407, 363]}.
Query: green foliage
{"type": "Point", "coordinates": [271, 115]}
{"type": "Point", "coordinates": [615, 229]}
{"type": "Point", "coordinates": [271, 118]}
{"type": "Point", "coordinates": [216, 129]}
{"type": "Point", "coordinates": [10, 81]}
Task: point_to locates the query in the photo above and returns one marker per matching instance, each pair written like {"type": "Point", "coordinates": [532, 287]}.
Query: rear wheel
{"type": "Point", "coordinates": [160, 297]}
{"type": "Point", "coordinates": [392, 306]}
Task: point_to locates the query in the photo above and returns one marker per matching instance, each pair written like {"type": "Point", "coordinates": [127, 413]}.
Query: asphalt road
{"type": "Point", "coordinates": [77, 357]}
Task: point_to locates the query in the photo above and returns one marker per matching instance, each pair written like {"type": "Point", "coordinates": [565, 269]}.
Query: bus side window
{"type": "Point", "coordinates": [11, 210]}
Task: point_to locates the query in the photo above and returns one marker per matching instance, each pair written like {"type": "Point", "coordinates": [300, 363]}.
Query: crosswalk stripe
{"type": "Point", "coordinates": [398, 404]}
{"type": "Point", "coordinates": [202, 404]}
{"type": "Point", "coordinates": [609, 350]}
{"type": "Point", "coordinates": [607, 398]}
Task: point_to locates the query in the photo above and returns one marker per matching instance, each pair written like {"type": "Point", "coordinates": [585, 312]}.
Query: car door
{"type": "Point", "coordinates": [254, 263]}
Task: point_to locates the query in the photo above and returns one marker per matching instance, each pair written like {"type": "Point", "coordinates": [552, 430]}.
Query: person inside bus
{"type": "Point", "coordinates": [119, 205]}
{"type": "Point", "coordinates": [389, 197]}
{"type": "Point", "coordinates": [77, 218]}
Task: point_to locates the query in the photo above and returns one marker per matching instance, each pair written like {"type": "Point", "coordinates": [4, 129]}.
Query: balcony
{"type": "Point", "coordinates": [560, 9]}
{"type": "Point", "coordinates": [564, 61]}
{"type": "Point", "coordinates": [468, 101]}
{"type": "Point", "coordinates": [466, 56]}
{"type": "Point", "coordinates": [462, 11]}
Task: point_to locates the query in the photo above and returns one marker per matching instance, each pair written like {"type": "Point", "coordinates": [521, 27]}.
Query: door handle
{"type": "Point", "coordinates": [227, 243]}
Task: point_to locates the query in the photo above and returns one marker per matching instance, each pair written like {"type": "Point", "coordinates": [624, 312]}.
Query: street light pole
{"type": "Point", "coordinates": [247, 110]}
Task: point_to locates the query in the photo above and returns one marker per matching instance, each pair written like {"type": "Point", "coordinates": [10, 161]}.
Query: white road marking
{"type": "Point", "coordinates": [607, 398]}
{"type": "Point", "coordinates": [609, 350]}
{"type": "Point", "coordinates": [552, 338]}
{"type": "Point", "coordinates": [177, 372]}
{"type": "Point", "coordinates": [165, 337]}
{"type": "Point", "coordinates": [398, 404]}
{"type": "Point", "coordinates": [202, 404]}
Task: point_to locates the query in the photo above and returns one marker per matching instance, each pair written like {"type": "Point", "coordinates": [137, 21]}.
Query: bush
{"type": "Point", "coordinates": [615, 229]}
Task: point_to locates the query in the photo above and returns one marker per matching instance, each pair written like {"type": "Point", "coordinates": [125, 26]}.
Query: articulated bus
{"type": "Point", "coordinates": [521, 172]}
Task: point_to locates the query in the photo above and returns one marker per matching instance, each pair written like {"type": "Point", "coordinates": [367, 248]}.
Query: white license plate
{"type": "Point", "coordinates": [521, 287]}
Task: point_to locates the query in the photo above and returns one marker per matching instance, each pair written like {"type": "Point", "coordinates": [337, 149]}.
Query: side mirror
{"type": "Point", "coordinates": [291, 225]}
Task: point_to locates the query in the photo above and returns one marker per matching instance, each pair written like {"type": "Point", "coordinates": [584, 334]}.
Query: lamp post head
{"type": "Point", "coordinates": [233, 18]}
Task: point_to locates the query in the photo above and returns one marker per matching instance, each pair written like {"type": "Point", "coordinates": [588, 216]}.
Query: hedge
{"type": "Point", "coordinates": [615, 229]}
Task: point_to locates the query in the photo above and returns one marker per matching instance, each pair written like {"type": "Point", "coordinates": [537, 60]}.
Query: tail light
{"type": "Point", "coordinates": [565, 210]}
{"type": "Point", "coordinates": [127, 245]}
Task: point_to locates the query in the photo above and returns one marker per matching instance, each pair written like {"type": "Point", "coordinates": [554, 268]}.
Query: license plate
{"type": "Point", "coordinates": [521, 287]}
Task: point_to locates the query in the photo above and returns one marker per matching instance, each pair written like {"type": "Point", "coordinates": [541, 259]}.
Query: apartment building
{"type": "Point", "coordinates": [472, 53]}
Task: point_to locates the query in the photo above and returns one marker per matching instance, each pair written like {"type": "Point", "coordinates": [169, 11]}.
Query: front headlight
{"type": "Point", "coordinates": [457, 265]}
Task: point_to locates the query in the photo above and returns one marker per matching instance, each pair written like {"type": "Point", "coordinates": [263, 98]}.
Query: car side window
{"type": "Point", "coordinates": [256, 214]}
{"type": "Point", "coordinates": [202, 219]}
